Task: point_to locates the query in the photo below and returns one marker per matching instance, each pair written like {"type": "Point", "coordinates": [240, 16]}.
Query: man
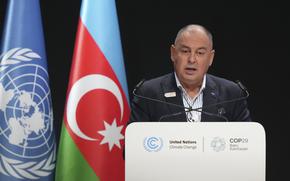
{"type": "Point", "coordinates": [189, 93]}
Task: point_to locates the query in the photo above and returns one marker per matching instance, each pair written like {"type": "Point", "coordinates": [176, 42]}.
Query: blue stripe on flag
{"type": "Point", "coordinates": [100, 18]}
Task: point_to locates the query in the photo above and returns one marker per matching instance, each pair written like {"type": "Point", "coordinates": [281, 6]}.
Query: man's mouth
{"type": "Point", "coordinates": [190, 70]}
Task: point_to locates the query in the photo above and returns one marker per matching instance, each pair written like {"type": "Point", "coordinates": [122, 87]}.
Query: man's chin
{"type": "Point", "coordinates": [192, 81]}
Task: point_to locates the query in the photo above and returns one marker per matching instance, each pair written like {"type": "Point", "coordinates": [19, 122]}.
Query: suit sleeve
{"type": "Point", "coordinates": [139, 109]}
{"type": "Point", "coordinates": [241, 111]}
{"type": "Point", "coordinates": [138, 112]}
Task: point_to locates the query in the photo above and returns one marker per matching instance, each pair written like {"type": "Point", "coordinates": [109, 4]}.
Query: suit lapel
{"type": "Point", "coordinates": [210, 95]}
{"type": "Point", "coordinates": [168, 85]}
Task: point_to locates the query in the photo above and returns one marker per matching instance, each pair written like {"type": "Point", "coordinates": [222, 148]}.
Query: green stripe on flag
{"type": "Point", "coordinates": [71, 165]}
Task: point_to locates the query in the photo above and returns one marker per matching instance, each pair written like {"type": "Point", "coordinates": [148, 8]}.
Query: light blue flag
{"type": "Point", "coordinates": [27, 141]}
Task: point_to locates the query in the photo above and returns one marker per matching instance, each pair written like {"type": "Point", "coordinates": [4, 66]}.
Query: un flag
{"type": "Point", "coordinates": [27, 141]}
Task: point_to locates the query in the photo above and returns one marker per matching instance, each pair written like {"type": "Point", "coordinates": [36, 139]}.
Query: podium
{"type": "Point", "coordinates": [202, 151]}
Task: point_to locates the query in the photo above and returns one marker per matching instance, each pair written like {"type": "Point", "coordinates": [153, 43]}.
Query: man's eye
{"type": "Point", "coordinates": [200, 52]}
{"type": "Point", "coordinates": [184, 51]}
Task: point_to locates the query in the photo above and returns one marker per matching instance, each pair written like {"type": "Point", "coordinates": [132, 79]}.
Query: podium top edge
{"type": "Point", "coordinates": [257, 125]}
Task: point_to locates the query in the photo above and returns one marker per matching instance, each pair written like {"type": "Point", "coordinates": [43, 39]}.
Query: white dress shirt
{"type": "Point", "coordinates": [195, 102]}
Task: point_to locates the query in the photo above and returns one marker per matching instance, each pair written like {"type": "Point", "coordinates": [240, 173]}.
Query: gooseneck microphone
{"type": "Point", "coordinates": [189, 109]}
{"type": "Point", "coordinates": [204, 112]}
{"type": "Point", "coordinates": [241, 86]}
{"type": "Point", "coordinates": [156, 100]}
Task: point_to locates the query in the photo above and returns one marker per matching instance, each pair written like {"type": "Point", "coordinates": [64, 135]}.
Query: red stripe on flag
{"type": "Point", "coordinates": [95, 107]}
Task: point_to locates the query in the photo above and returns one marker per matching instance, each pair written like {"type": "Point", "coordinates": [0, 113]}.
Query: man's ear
{"type": "Point", "coordinates": [172, 53]}
{"type": "Point", "coordinates": [211, 57]}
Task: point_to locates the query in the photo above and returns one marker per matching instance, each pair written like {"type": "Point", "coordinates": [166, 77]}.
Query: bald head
{"type": "Point", "coordinates": [194, 29]}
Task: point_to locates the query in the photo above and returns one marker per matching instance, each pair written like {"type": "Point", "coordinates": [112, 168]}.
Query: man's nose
{"type": "Point", "coordinates": [192, 58]}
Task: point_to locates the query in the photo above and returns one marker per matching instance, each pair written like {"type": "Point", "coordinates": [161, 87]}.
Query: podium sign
{"type": "Point", "coordinates": [203, 151]}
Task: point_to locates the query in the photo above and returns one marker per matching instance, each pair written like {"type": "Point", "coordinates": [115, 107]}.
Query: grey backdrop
{"type": "Point", "coordinates": [251, 41]}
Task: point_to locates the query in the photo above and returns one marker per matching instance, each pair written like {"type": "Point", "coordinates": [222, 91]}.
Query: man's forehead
{"type": "Point", "coordinates": [189, 39]}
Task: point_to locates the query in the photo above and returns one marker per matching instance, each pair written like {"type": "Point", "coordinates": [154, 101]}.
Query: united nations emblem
{"type": "Point", "coordinates": [26, 128]}
{"type": "Point", "coordinates": [153, 144]}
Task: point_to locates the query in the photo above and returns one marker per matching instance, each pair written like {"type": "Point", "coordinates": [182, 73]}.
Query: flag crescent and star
{"type": "Point", "coordinates": [79, 89]}
{"type": "Point", "coordinates": [97, 107]}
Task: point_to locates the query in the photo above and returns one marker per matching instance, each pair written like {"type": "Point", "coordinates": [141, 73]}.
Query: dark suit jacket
{"type": "Point", "coordinates": [216, 90]}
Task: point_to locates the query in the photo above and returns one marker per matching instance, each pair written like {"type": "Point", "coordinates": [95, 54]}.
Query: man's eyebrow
{"type": "Point", "coordinates": [202, 48]}
{"type": "Point", "coordinates": [184, 46]}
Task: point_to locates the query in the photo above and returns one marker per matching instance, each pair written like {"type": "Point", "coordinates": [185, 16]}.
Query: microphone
{"type": "Point", "coordinates": [138, 85]}
{"type": "Point", "coordinates": [155, 100]}
{"type": "Point", "coordinates": [186, 109]}
{"type": "Point", "coordinates": [241, 86]}
{"type": "Point", "coordinates": [204, 112]}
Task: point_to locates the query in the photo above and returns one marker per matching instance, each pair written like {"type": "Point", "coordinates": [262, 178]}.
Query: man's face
{"type": "Point", "coordinates": [192, 55]}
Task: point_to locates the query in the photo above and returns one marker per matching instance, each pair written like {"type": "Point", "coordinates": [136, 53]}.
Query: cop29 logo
{"type": "Point", "coordinates": [153, 144]}
{"type": "Point", "coordinates": [218, 144]}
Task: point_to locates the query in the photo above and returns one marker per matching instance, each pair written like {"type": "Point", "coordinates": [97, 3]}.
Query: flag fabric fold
{"type": "Point", "coordinates": [97, 109]}
{"type": "Point", "coordinates": [27, 140]}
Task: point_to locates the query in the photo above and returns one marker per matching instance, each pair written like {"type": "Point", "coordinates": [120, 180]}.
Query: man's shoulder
{"type": "Point", "coordinates": [155, 84]}
{"type": "Point", "coordinates": [158, 80]}
{"type": "Point", "coordinates": [222, 84]}
{"type": "Point", "coordinates": [219, 80]}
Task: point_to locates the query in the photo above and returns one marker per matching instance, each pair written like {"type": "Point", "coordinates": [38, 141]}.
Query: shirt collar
{"type": "Point", "coordinates": [182, 88]}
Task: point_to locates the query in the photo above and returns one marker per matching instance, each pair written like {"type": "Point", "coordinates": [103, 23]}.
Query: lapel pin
{"type": "Point", "coordinates": [170, 94]}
